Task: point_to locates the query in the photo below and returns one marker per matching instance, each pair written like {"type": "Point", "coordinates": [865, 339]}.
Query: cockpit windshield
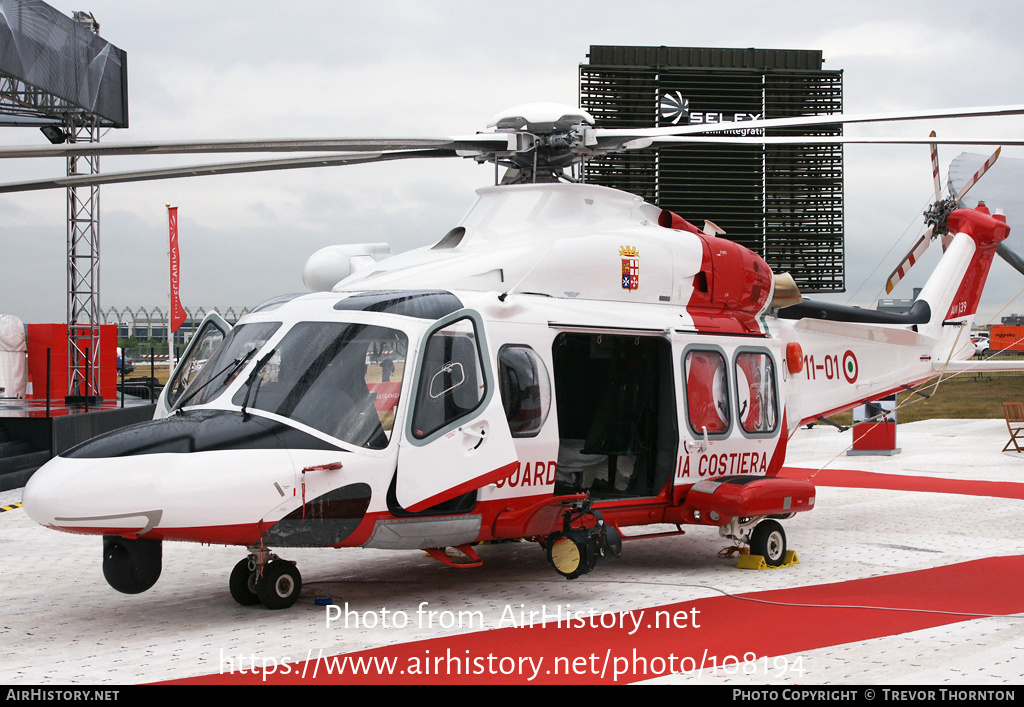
{"type": "Point", "coordinates": [340, 378]}
{"type": "Point", "coordinates": [226, 363]}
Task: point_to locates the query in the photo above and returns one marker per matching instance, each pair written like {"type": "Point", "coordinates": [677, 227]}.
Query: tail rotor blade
{"type": "Point", "coordinates": [908, 262]}
{"type": "Point", "coordinates": [935, 169]}
{"type": "Point", "coordinates": [977, 175]}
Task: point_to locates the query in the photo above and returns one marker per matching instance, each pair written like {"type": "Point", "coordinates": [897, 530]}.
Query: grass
{"type": "Point", "coordinates": [142, 370]}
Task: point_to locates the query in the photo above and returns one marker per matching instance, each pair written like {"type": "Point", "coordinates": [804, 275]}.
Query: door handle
{"type": "Point", "coordinates": [702, 445]}
{"type": "Point", "coordinates": [332, 466]}
{"type": "Point", "coordinates": [479, 433]}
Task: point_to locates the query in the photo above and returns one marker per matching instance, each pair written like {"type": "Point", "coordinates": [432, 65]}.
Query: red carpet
{"type": "Point", "coordinates": [710, 631]}
{"type": "Point", "coordinates": [847, 478]}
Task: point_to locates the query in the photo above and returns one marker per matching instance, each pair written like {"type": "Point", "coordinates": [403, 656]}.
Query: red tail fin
{"type": "Point", "coordinates": [987, 231]}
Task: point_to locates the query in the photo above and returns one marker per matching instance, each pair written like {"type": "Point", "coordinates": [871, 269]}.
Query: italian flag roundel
{"type": "Point", "coordinates": [850, 368]}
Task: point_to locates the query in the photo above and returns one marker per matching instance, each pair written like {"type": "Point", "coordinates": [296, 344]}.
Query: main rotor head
{"type": "Point", "coordinates": [551, 138]}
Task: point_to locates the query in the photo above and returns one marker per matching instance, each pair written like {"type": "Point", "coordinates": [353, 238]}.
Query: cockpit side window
{"type": "Point", "coordinates": [342, 379]}
{"type": "Point", "coordinates": [451, 382]}
{"type": "Point", "coordinates": [209, 339]}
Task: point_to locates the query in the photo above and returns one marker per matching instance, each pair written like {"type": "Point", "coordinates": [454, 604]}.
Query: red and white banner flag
{"type": "Point", "coordinates": [177, 311]}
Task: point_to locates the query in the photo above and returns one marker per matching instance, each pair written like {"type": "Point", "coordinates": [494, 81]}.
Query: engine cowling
{"type": "Point", "coordinates": [731, 278]}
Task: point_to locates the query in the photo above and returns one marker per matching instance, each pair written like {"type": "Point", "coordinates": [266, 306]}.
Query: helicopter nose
{"type": "Point", "coordinates": [39, 494]}
{"type": "Point", "coordinates": [205, 477]}
{"type": "Point", "coordinates": [80, 495]}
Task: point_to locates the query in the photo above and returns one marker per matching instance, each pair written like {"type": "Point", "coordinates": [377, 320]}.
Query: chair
{"type": "Point", "coordinates": [1015, 424]}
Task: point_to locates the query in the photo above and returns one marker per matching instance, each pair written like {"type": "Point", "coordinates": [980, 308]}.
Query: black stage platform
{"type": "Point", "coordinates": [30, 434]}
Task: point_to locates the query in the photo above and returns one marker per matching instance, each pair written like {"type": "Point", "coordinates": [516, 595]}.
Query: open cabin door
{"type": "Point", "coordinates": [205, 341]}
{"type": "Point", "coordinates": [617, 428]}
{"type": "Point", "coordinates": [456, 437]}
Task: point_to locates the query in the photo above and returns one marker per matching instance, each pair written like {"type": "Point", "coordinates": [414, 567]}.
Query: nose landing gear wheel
{"type": "Point", "coordinates": [280, 586]}
{"type": "Point", "coordinates": [244, 583]}
{"type": "Point", "coordinates": [769, 541]}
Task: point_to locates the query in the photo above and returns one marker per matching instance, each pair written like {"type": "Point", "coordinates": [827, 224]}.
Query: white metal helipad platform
{"type": "Point", "coordinates": [62, 624]}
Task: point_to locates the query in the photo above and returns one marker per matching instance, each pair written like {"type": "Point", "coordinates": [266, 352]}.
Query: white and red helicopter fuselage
{"type": "Point", "coordinates": [568, 362]}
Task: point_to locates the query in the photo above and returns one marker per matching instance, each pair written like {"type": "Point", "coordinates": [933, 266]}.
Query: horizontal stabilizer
{"type": "Point", "coordinates": [1014, 260]}
{"type": "Point", "coordinates": [990, 366]}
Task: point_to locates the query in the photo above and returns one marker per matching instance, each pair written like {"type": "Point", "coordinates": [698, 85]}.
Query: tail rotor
{"type": "Point", "coordinates": [937, 215]}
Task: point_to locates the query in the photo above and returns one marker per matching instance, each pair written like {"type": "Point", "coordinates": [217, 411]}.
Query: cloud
{"type": "Point", "coordinates": [222, 70]}
{"type": "Point", "coordinates": [912, 41]}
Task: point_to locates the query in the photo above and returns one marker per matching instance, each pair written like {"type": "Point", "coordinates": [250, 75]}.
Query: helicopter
{"type": "Point", "coordinates": [566, 363]}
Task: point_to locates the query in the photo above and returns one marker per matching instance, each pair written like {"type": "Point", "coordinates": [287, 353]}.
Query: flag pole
{"type": "Point", "coordinates": [173, 299]}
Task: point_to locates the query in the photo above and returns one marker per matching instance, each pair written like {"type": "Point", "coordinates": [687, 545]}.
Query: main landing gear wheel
{"type": "Point", "coordinates": [244, 583]}
{"type": "Point", "coordinates": [280, 585]}
{"type": "Point", "coordinates": [769, 541]}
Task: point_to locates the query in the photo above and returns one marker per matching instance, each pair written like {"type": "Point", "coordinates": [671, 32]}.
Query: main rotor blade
{"type": "Point", "coordinates": [908, 262]}
{"type": "Point", "coordinates": [499, 142]}
{"type": "Point", "coordinates": [598, 135]}
{"type": "Point", "coordinates": [89, 180]}
{"type": "Point", "coordinates": [819, 140]}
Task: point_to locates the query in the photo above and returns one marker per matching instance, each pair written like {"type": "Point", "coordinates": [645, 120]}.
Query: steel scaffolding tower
{"type": "Point", "coordinates": [58, 75]}
{"type": "Point", "coordinates": [83, 295]}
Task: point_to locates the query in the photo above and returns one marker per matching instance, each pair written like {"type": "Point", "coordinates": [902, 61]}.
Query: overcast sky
{"type": "Point", "coordinates": [330, 69]}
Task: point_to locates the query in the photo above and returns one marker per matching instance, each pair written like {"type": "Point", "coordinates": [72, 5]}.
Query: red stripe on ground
{"type": "Point", "coordinates": [709, 632]}
{"type": "Point", "coordinates": [847, 478]}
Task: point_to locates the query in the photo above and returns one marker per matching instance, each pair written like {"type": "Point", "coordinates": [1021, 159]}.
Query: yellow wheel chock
{"type": "Point", "coordinates": [756, 562]}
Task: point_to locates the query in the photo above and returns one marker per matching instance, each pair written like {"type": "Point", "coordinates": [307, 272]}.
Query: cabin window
{"type": "Point", "coordinates": [756, 403]}
{"type": "Point", "coordinates": [707, 392]}
{"type": "Point", "coordinates": [341, 379]}
{"type": "Point", "coordinates": [525, 389]}
{"type": "Point", "coordinates": [451, 383]}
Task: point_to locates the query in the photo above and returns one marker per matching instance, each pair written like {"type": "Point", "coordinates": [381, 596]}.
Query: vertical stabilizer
{"type": "Point", "coordinates": [954, 289]}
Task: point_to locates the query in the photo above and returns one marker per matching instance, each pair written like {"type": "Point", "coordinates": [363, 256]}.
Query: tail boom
{"type": "Point", "coordinates": [864, 361]}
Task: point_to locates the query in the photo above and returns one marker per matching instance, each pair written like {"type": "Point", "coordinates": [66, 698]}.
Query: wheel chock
{"type": "Point", "coordinates": [756, 562]}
